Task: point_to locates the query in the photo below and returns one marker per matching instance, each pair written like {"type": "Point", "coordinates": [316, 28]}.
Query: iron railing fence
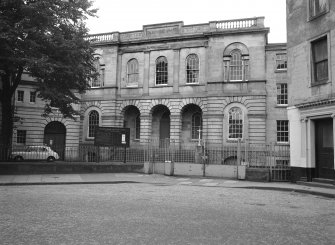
{"type": "Point", "coordinates": [274, 157]}
{"type": "Point", "coordinates": [252, 155]}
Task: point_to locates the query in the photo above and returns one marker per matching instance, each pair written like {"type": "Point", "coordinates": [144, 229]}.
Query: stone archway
{"type": "Point", "coordinates": [131, 119]}
{"type": "Point", "coordinates": [160, 124]}
{"type": "Point", "coordinates": [191, 125]}
{"type": "Point", "coordinates": [55, 136]}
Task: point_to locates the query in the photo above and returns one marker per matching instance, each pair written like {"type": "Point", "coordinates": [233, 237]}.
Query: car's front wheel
{"type": "Point", "coordinates": [51, 159]}
{"type": "Point", "coordinates": [18, 158]}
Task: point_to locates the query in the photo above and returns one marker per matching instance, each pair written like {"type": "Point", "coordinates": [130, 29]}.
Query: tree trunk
{"type": "Point", "coordinates": [10, 81]}
{"type": "Point", "coordinates": [7, 109]}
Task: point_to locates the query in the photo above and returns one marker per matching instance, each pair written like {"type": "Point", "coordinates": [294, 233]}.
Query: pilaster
{"type": "Point", "coordinates": [175, 128]}
{"type": "Point", "coordinates": [333, 116]}
{"type": "Point", "coordinates": [146, 73]}
{"type": "Point", "coordinates": [145, 128]}
{"type": "Point", "coordinates": [176, 67]}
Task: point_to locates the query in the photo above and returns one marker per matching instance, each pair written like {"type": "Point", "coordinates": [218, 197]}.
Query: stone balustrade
{"type": "Point", "coordinates": [237, 24]}
{"type": "Point", "coordinates": [177, 29]}
{"type": "Point", "coordinates": [101, 38]}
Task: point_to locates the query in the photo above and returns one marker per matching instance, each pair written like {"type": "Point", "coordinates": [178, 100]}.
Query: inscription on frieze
{"type": "Point", "coordinates": [162, 31]}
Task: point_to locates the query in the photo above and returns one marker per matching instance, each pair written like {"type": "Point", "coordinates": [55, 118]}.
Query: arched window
{"type": "Point", "coordinates": [99, 80]}
{"type": "Point", "coordinates": [137, 127]}
{"type": "Point", "coordinates": [236, 66]}
{"type": "Point", "coordinates": [235, 123]}
{"type": "Point", "coordinates": [236, 62]}
{"type": "Point", "coordinates": [132, 72]}
{"type": "Point", "coordinates": [161, 71]}
{"type": "Point", "coordinates": [196, 125]}
{"type": "Point", "coordinates": [93, 122]}
{"type": "Point", "coordinates": [192, 68]}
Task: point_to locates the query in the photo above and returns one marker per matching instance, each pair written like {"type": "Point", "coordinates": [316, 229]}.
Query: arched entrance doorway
{"type": "Point", "coordinates": [54, 136]}
{"type": "Point", "coordinates": [161, 124]}
{"type": "Point", "coordinates": [191, 125]}
{"type": "Point", "coordinates": [132, 120]}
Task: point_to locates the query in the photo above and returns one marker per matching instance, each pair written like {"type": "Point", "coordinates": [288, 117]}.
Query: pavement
{"type": "Point", "coordinates": [156, 179]}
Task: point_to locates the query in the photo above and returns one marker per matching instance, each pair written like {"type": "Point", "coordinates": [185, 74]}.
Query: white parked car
{"type": "Point", "coordinates": [35, 153]}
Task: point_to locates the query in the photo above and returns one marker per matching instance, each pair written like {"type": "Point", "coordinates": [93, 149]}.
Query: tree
{"type": "Point", "coordinates": [45, 38]}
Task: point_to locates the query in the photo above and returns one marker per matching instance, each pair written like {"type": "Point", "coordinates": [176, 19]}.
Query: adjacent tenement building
{"type": "Point", "coordinates": [311, 112]}
{"type": "Point", "coordinates": [220, 81]}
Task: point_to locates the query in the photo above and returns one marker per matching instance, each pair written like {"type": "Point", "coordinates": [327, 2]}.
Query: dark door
{"type": "Point", "coordinates": [164, 130]}
{"type": "Point", "coordinates": [54, 136]}
{"type": "Point", "coordinates": [324, 146]}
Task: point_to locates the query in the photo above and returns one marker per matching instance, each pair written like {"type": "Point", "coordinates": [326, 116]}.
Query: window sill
{"type": "Point", "coordinates": [281, 71]}
{"type": "Point", "coordinates": [191, 84]}
{"type": "Point", "coordinates": [132, 87]}
{"type": "Point", "coordinates": [96, 87]}
{"type": "Point", "coordinates": [282, 143]}
{"type": "Point", "coordinates": [311, 18]}
{"type": "Point", "coordinates": [161, 85]}
{"type": "Point", "coordinates": [314, 84]}
{"type": "Point", "coordinates": [281, 106]}
{"type": "Point", "coordinates": [234, 140]}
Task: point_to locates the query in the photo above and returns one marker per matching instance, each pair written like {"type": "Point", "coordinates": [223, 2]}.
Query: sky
{"type": "Point", "coordinates": [131, 15]}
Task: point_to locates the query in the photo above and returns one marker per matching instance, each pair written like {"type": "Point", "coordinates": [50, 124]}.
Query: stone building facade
{"type": "Point", "coordinates": [311, 112]}
{"type": "Point", "coordinates": [220, 81]}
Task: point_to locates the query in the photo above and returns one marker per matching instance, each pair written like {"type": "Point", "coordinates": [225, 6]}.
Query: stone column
{"type": "Point", "coordinates": [145, 128]}
{"type": "Point", "coordinates": [205, 125]}
{"type": "Point", "coordinates": [175, 127]}
{"type": "Point", "coordinates": [205, 63]}
{"type": "Point", "coordinates": [176, 67]}
{"type": "Point", "coordinates": [303, 122]}
{"type": "Point", "coordinates": [119, 73]}
{"type": "Point", "coordinates": [333, 116]}
{"type": "Point", "coordinates": [146, 72]}
{"type": "Point", "coordinates": [310, 163]}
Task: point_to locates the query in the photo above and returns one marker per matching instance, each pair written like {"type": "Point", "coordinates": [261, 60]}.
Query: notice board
{"type": "Point", "coordinates": [111, 136]}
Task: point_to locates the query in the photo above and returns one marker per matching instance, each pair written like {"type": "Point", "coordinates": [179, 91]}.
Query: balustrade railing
{"type": "Point", "coordinates": [236, 24]}
{"type": "Point", "coordinates": [187, 29]}
{"type": "Point", "coordinates": [100, 38]}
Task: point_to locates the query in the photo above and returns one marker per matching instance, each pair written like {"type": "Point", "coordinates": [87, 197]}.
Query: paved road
{"type": "Point", "coordinates": [162, 213]}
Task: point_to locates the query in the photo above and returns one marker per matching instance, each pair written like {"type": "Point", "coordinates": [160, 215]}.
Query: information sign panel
{"type": "Point", "coordinates": [112, 136]}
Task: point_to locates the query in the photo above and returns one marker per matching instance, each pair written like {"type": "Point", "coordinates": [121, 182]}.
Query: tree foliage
{"type": "Point", "coordinates": [46, 39]}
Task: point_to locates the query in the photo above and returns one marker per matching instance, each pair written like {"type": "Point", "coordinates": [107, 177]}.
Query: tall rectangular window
{"type": "Point", "coordinates": [21, 136]}
{"type": "Point", "coordinates": [161, 71]}
{"type": "Point", "coordinates": [235, 122]}
{"type": "Point", "coordinates": [282, 131]}
{"type": "Point", "coordinates": [282, 94]}
{"type": "Point", "coordinates": [192, 68]}
{"type": "Point", "coordinates": [20, 95]}
{"type": "Point", "coordinates": [32, 96]}
{"type": "Point", "coordinates": [236, 66]}
{"type": "Point", "coordinates": [137, 127]}
{"type": "Point", "coordinates": [100, 79]}
{"type": "Point", "coordinates": [317, 7]}
{"type": "Point", "coordinates": [281, 62]}
{"type": "Point", "coordinates": [320, 60]}
{"type": "Point", "coordinates": [196, 125]}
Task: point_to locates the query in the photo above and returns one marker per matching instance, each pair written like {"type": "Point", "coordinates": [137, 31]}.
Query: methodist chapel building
{"type": "Point", "coordinates": [219, 81]}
